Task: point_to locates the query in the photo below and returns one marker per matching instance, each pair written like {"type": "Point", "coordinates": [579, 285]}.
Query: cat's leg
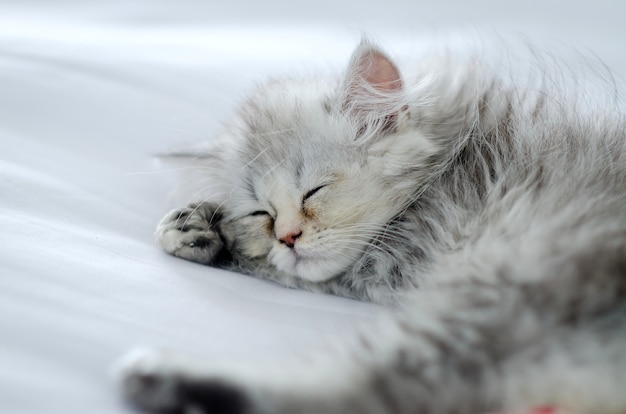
{"type": "Point", "coordinates": [192, 233]}
{"type": "Point", "coordinates": [444, 362]}
{"type": "Point", "coordinates": [393, 370]}
{"type": "Point", "coordinates": [464, 350]}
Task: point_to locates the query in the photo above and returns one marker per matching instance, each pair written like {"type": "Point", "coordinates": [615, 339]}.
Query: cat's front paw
{"type": "Point", "coordinates": [157, 381]}
{"type": "Point", "coordinates": [191, 233]}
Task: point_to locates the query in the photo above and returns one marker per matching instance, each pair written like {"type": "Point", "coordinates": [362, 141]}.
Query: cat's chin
{"type": "Point", "coordinates": [311, 267]}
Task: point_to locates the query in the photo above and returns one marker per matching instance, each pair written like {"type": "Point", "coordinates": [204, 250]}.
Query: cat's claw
{"type": "Point", "coordinates": [190, 233]}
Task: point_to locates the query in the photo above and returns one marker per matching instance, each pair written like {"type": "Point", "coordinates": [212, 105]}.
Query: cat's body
{"type": "Point", "coordinates": [492, 216]}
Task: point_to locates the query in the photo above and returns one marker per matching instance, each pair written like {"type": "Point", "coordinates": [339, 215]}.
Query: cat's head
{"type": "Point", "coordinates": [320, 167]}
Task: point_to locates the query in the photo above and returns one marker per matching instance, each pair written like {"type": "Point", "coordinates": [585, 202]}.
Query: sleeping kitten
{"type": "Point", "coordinates": [492, 217]}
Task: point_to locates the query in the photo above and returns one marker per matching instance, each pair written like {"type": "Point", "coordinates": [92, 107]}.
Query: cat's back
{"type": "Point", "coordinates": [557, 197]}
{"type": "Point", "coordinates": [543, 185]}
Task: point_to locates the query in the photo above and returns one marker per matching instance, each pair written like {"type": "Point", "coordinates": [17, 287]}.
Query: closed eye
{"type": "Point", "coordinates": [259, 213]}
{"type": "Point", "coordinates": [312, 192]}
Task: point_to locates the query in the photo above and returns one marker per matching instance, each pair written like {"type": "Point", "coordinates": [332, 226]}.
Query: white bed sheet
{"type": "Point", "coordinates": [88, 90]}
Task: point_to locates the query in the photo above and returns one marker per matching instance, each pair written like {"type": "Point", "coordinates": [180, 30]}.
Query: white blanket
{"type": "Point", "coordinates": [89, 90]}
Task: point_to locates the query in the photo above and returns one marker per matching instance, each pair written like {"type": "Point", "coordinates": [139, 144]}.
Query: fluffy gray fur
{"type": "Point", "coordinates": [491, 217]}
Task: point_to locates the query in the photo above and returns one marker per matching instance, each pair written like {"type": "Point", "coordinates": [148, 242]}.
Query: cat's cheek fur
{"type": "Point", "coordinates": [250, 237]}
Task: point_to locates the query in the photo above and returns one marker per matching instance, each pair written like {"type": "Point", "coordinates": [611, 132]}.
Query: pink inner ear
{"type": "Point", "coordinates": [380, 72]}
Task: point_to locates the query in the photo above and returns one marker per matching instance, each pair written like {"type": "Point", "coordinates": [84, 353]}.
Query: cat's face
{"type": "Point", "coordinates": [313, 184]}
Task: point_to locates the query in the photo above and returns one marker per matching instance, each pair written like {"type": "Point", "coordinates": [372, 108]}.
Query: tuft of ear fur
{"type": "Point", "coordinates": [372, 89]}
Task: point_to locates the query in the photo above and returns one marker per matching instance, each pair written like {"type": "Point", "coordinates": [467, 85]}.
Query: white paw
{"type": "Point", "coordinates": [148, 380]}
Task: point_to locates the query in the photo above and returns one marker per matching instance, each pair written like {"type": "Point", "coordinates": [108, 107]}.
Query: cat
{"type": "Point", "coordinates": [489, 217]}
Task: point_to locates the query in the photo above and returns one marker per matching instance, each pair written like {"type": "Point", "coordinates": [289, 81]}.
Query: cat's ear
{"type": "Point", "coordinates": [372, 91]}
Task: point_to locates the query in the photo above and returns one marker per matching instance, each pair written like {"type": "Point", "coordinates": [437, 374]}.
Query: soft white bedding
{"type": "Point", "coordinates": [88, 90]}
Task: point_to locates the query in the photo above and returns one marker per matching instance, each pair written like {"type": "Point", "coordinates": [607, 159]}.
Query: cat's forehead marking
{"type": "Point", "coordinates": [248, 183]}
{"type": "Point", "coordinates": [298, 170]}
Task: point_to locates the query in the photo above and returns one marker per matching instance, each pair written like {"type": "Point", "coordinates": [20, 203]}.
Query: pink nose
{"type": "Point", "coordinates": [290, 239]}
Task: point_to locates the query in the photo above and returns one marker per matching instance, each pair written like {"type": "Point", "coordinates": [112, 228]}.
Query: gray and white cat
{"type": "Point", "coordinates": [490, 217]}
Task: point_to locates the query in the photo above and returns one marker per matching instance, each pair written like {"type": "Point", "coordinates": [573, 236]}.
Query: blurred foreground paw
{"type": "Point", "coordinates": [147, 383]}
{"type": "Point", "coordinates": [153, 381]}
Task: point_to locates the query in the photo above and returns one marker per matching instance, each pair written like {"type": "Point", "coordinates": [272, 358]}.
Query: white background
{"type": "Point", "coordinates": [89, 89]}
